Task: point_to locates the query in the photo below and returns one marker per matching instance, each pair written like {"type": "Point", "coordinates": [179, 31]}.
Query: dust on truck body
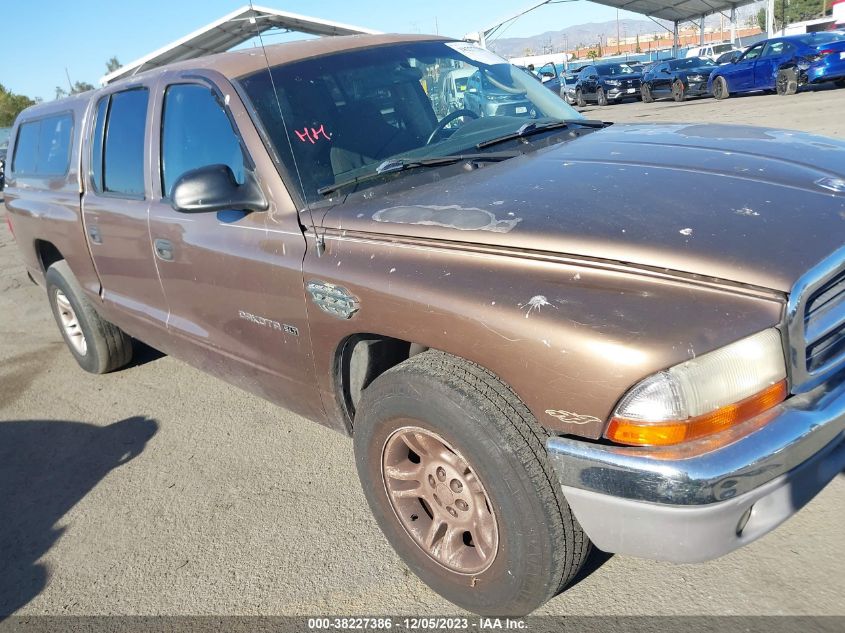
{"type": "Point", "coordinates": [523, 372]}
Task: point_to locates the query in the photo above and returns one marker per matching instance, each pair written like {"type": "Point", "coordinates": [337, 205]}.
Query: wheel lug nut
{"type": "Point", "coordinates": [462, 505]}
{"type": "Point", "coordinates": [431, 481]}
{"type": "Point", "coordinates": [456, 486]}
{"type": "Point", "coordinates": [451, 511]}
{"type": "Point", "coordinates": [441, 473]}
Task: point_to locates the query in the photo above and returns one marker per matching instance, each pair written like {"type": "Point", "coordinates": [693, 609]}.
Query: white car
{"type": "Point", "coordinates": [710, 51]}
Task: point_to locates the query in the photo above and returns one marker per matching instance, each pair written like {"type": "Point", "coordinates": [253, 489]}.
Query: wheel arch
{"type": "Point", "coordinates": [47, 253]}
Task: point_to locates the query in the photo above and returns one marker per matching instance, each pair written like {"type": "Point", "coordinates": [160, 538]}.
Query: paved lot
{"type": "Point", "coordinates": [159, 490]}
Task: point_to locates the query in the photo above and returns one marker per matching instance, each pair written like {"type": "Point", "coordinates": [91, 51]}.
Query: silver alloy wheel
{"type": "Point", "coordinates": [70, 324]}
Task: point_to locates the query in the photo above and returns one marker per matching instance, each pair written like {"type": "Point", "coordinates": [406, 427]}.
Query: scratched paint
{"type": "Point", "coordinates": [451, 216]}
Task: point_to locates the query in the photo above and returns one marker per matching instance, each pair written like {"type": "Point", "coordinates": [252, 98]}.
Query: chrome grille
{"type": "Point", "coordinates": [816, 324]}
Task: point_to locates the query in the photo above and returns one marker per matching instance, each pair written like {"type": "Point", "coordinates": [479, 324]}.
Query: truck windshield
{"type": "Point", "coordinates": [336, 117]}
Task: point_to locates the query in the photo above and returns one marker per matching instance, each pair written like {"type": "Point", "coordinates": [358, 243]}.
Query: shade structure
{"type": "Point", "coordinates": [229, 31]}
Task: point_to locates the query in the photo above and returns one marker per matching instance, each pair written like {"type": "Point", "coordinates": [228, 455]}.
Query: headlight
{"type": "Point", "coordinates": [612, 82]}
{"type": "Point", "coordinates": [703, 396]}
{"type": "Point", "coordinates": [695, 78]}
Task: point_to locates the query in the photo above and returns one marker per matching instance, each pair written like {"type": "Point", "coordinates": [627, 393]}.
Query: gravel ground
{"type": "Point", "coordinates": [160, 490]}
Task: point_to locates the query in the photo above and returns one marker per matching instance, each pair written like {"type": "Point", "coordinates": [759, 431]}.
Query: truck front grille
{"type": "Point", "coordinates": [816, 324]}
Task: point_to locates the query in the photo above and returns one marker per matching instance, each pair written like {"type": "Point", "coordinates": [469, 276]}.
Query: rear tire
{"type": "Point", "coordinates": [454, 411]}
{"type": "Point", "coordinates": [579, 99]}
{"type": "Point", "coordinates": [787, 81]}
{"type": "Point", "coordinates": [720, 88]}
{"type": "Point", "coordinates": [97, 345]}
{"type": "Point", "coordinates": [679, 92]}
{"type": "Point", "coordinates": [601, 97]}
{"type": "Point", "coordinates": [645, 93]}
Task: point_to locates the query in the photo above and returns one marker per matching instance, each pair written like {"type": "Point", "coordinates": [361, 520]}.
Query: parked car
{"type": "Point", "coordinates": [710, 51]}
{"type": "Point", "coordinates": [452, 90]}
{"type": "Point", "coordinates": [678, 78]}
{"type": "Point", "coordinates": [636, 66]}
{"type": "Point", "coordinates": [4, 144]}
{"type": "Point", "coordinates": [520, 377]}
{"type": "Point", "coordinates": [486, 96]}
{"type": "Point", "coordinates": [729, 57]}
{"type": "Point", "coordinates": [783, 64]}
{"type": "Point", "coordinates": [606, 83]}
{"type": "Point", "coordinates": [568, 82]}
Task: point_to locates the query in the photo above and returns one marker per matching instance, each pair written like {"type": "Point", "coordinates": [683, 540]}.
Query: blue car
{"type": "Point", "coordinates": [783, 64]}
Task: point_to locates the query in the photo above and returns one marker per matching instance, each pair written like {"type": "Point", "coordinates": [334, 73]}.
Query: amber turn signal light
{"type": "Point", "coordinates": [636, 433]}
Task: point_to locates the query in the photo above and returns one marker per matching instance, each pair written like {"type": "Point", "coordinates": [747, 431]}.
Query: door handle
{"type": "Point", "coordinates": [164, 249]}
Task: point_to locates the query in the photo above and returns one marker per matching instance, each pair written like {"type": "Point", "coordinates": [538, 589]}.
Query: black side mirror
{"type": "Point", "coordinates": [214, 188]}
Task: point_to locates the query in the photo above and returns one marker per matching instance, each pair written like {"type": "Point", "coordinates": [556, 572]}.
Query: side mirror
{"type": "Point", "coordinates": [214, 188]}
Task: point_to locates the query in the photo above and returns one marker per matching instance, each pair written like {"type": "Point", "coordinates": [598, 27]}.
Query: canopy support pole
{"type": "Point", "coordinates": [701, 31]}
{"type": "Point", "coordinates": [733, 25]}
{"type": "Point", "coordinates": [675, 41]}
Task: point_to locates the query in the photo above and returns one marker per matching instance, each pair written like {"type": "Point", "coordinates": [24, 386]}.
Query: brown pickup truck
{"type": "Point", "coordinates": [533, 347]}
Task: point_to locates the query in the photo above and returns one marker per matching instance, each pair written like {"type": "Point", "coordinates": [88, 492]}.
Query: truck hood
{"type": "Point", "coordinates": [745, 204]}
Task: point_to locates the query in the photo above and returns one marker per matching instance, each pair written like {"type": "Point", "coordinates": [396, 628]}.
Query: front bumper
{"type": "Point", "coordinates": [614, 93]}
{"type": "Point", "coordinates": [701, 500]}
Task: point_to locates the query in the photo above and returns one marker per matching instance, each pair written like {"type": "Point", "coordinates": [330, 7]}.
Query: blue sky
{"type": "Point", "coordinates": [41, 38]}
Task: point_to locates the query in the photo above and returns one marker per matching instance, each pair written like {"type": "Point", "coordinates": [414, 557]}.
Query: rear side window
{"type": "Point", "coordinates": [123, 147]}
{"type": "Point", "coordinates": [43, 146]}
{"type": "Point", "coordinates": [196, 132]}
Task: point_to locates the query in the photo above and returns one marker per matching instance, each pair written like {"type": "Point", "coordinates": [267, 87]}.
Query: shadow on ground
{"type": "Point", "coordinates": [47, 467]}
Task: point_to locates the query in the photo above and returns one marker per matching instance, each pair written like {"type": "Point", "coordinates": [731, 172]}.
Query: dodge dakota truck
{"type": "Point", "coordinates": [522, 374]}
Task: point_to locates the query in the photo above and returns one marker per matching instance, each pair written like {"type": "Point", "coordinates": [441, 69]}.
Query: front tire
{"type": "Point", "coordinates": [579, 99]}
{"type": "Point", "coordinates": [645, 93]}
{"type": "Point", "coordinates": [454, 468]}
{"type": "Point", "coordinates": [720, 88]}
{"type": "Point", "coordinates": [97, 345]}
{"type": "Point", "coordinates": [679, 92]}
{"type": "Point", "coordinates": [601, 97]}
{"type": "Point", "coordinates": [787, 81]}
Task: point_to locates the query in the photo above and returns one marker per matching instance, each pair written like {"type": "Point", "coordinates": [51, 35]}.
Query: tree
{"type": "Point", "coordinates": [11, 105]}
{"type": "Point", "coordinates": [796, 11]}
{"type": "Point", "coordinates": [112, 65]}
{"type": "Point", "coordinates": [638, 49]}
{"type": "Point", "coordinates": [591, 54]}
{"type": "Point", "coordinates": [78, 86]}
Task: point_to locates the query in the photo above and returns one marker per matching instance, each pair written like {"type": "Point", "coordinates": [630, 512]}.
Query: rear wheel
{"type": "Point", "coordinates": [787, 81]}
{"type": "Point", "coordinates": [720, 88]}
{"type": "Point", "coordinates": [601, 97]}
{"type": "Point", "coordinates": [679, 92]}
{"type": "Point", "coordinates": [579, 99]}
{"type": "Point", "coordinates": [454, 468]}
{"type": "Point", "coordinates": [97, 345]}
{"type": "Point", "coordinates": [645, 92]}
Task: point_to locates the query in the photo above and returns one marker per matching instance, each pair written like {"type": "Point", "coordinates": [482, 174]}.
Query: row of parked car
{"type": "Point", "coordinates": [781, 64]}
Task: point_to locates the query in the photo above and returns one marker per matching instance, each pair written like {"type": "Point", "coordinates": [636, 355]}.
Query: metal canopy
{"type": "Point", "coordinates": [229, 31]}
{"type": "Point", "coordinates": [675, 10]}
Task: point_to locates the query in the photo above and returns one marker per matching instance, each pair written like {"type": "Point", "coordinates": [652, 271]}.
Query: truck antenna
{"type": "Point", "coordinates": [318, 239]}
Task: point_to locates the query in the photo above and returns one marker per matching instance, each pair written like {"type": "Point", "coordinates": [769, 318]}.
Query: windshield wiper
{"type": "Point", "coordinates": [395, 165]}
{"type": "Point", "coordinates": [531, 128]}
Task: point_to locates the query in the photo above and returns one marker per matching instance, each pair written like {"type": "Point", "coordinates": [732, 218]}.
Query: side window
{"type": "Point", "coordinates": [123, 148]}
{"type": "Point", "coordinates": [774, 49]}
{"type": "Point", "coordinates": [26, 148]}
{"type": "Point", "coordinates": [43, 146]}
{"type": "Point", "coordinates": [196, 132]}
{"type": "Point", "coordinates": [97, 145]}
{"type": "Point", "coordinates": [753, 53]}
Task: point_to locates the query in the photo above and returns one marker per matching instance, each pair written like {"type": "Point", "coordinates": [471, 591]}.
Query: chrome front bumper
{"type": "Point", "coordinates": [706, 498]}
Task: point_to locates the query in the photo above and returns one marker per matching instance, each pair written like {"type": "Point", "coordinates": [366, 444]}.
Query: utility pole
{"type": "Point", "coordinates": [617, 32]}
{"type": "Point", "coordinates": [69, 84]}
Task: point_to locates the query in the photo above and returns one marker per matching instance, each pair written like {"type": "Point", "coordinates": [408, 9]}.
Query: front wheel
{"type": "Point", "coordinates": [97, 345]}
{"type": "Point", "coordinates": [454, 468]}
{"type": "Point", "coordinates": [645, 93]}
{"type": "Point", "coordinates": [720, 88]}
{"type": "Point", "coordinates": [787, 81]}
{"type": "Point", "coordinates": [579, 99]}
{"type": "Point", "coordinates": [601, 97]}
{"type": "Point", "coordinates": [679, 92]}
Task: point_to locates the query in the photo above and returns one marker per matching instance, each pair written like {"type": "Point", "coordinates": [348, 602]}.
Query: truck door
{"type": "Point", "coordinates": [233, 280]}
{"type": "Point", "coordinates": [115, 204]}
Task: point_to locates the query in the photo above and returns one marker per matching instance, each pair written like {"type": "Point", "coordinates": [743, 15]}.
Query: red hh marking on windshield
{"type": "Point", "coordinates": [312, 134]}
